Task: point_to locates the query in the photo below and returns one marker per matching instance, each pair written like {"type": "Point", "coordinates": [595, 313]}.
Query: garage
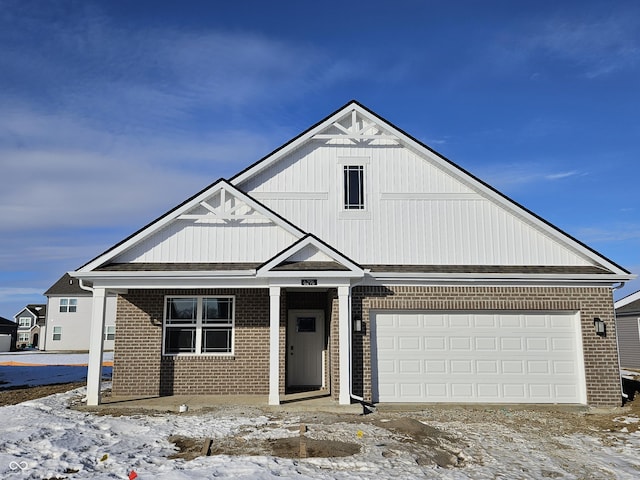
{"type": "Point", "coordinates": [477, 357]}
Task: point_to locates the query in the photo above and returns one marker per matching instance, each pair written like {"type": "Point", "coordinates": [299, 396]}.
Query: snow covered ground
{"type": "Point", "coordinates": [44, 439]}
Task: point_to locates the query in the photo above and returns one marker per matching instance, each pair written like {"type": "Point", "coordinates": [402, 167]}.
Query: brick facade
{"type": "Point", "coordinates": [600, 353]}
{"type": "Point", "coordinates": [140, 368]}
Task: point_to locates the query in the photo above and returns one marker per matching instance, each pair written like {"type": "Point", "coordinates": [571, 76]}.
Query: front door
{"type": "Point", "coordinates": [305, 346]}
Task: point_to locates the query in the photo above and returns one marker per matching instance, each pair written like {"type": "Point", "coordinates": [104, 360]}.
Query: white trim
{"type": "Point", "coordinates": [199, 326]}
{"type": "Point", "coordinates": [96, 346]}
{"type": "Point", "coordinates": [354, 109]}
{"type": "Point", "coordinates": [175, 214]}
{"type": "Point", "coordinates": [627, 300]}
{"type": "Point", "coordinates": [274, 346]}
{"type": "Point", "coordinates": [265, 269]}
{"type": "Point", "coordinates": [344, 347]}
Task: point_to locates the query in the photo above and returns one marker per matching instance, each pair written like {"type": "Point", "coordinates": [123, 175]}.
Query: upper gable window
{"type": "Point", "coordinates": [68, 305]}
{"type": "Point", "coordinates": [354, 187]}
{"type": "Point", "coordinates": [24, 322]}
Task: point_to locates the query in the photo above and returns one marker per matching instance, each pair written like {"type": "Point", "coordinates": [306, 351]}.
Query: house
{"type": "Point", "coordinates": [628, 330]}
{"type": "Point", "coordinates": [8, 335]}
{"type": "Point", "coordinates": [69, 317]}
{"type": "Point", "coordinates": [30, 319]}
{"type": "Point", "coordinates": [358, 261]}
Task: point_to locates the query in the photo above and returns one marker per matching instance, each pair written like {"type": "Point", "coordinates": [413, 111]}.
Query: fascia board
{"type": "Point", "coordinates": [174, 214]}
{"type": "Point", "coordinates": [172, 274]}
{"type": "Point", "coordinates": [490, 192]}
{"type": "Point", "coordinates": [299, 274]}
{"type": "Point", "coordinates": [627, 300]}
{"type": "Point", "coordinates": [265, 269]}
{"type": "Point", "coordinates": [292, 145]}
{"type": "Point", "coordinates": [501, 277]}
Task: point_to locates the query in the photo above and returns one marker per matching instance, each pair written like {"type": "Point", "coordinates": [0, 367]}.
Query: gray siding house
{"type": "Point", "coordinates": [628, 328]}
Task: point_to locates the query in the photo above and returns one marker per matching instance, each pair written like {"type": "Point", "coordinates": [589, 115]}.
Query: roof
{"type": "Point", "coordinates": [66, 285]}
{"type": "Point", "coordinates": [103, 262]}
{"type": "Point", "coordinates": [422, 148]}
{"type": "Point", "coordinates": [629, 304]}
{"type": "Point", "coordinates": [38, 310]}
{"type": "Point", "coordinates": [7, 322]}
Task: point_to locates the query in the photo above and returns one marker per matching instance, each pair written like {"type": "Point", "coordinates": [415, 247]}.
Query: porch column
{"type": "Point", "coordinates": [96, 344]}
{"type": "Point", "coordinates": [344, 347]}
{"type": "Point", "coordinates": [274, 346]}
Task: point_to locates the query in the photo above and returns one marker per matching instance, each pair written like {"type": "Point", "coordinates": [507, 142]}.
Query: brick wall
{"type": "Point", "coordinates": [600, 353]}
{"type": "Point", "coordinates": [140, 369]}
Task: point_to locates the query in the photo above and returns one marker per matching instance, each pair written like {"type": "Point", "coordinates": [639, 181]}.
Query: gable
{"type": "Point", "coordinates": [219, 225]}
{"type": "Point", "coordinates": [419, 207]}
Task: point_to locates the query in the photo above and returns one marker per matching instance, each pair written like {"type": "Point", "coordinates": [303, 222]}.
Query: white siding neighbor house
{"type": "Point", "coordinates": [356, 261]}
{"type": "Point", "coordinates": [69, 318]}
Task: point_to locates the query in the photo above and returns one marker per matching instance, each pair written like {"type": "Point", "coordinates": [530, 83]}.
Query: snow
{"type": "Point", "coordinates": [44, 438]}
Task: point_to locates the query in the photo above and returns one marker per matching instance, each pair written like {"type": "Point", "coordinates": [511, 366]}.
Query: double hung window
{"type": "Point", "coordinates": [57, 333]}
{"type": "Point", "coordinates": [199, 325]}
{"type": "Point", "coordinates": [69, 305]}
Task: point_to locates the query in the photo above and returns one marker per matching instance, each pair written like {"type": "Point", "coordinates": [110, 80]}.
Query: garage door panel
{"type": "Point", "coordinates": [477, 358]}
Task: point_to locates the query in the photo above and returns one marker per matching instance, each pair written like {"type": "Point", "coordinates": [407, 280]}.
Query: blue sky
{"type": "Point", "coordinates": [113, 112]}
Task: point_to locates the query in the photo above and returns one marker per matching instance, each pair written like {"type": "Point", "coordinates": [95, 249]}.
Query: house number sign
{"type": "Point", "coordinates": [309, 281]}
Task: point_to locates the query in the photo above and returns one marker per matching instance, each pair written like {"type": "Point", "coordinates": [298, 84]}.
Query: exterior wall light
{"type": "Point", "coordinates": [601, 328]}
{"type": "Point", "coordinates": [357, 323]}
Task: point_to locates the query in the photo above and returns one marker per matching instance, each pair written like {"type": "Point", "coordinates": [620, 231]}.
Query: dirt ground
{"type": "Point", "coordinates": [311, 435]}
{"type": "Point", "coordinates": [12, 396]}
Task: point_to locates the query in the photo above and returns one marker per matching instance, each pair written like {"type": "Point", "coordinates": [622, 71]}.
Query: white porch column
{"type": "Point", "coordinates": [274, 346]}
{"type": "Point", "coordinates": [344, 347]}
{"type": "Point", "coordinates": [96, 344]}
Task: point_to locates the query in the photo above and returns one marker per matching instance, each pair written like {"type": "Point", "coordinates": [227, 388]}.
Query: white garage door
{"type": "Point", "coordinates": [477, 357]}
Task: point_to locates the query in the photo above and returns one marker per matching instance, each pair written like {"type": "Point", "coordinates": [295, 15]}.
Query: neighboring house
{"type": "Point", "coordinates": [8, 335]}
{"type": "Point", "coordinates": [356, 260]}
{"type": "Point", "coordinates": [30, 320]}
{"type": "Point", "coordinates": [69, 317]}
{"type": "Point", "coordinates": [628, 330]}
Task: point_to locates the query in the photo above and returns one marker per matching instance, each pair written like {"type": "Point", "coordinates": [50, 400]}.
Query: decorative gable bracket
{"type": "Point", "coordinates": [224, 207]}
{"type": "Point", "coordinates": [356, 128]}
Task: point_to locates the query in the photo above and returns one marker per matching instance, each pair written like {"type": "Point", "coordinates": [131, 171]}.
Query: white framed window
{"type": "Point", "coordinates": [199, 325]}
{"type": "Point", "coordinates": [109, 332]}
{"type": "Point", "coordinates": [57, 333]}
{"type": "Point", "coordinates": [24, 322]}
{"type": "Point", "coordinates": [23, 337]}
{"type": "Point", "coordinates": [68, 305]}
{"type": "Point", "coordinates": [353, 183]}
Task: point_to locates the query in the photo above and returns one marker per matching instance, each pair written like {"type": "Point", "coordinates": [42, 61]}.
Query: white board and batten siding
{"type": "Point", "coordinates": [184, 241]}
{"type": "Point", "coordinates": [474, 357]}
{"type": "Point", "coordinates": [406, 195]}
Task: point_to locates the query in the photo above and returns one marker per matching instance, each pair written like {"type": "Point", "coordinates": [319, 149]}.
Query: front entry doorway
{"type": "Point", "coordinates": [305, 349]}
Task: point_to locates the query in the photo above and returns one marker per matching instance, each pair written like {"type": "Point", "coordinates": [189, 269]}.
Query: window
{"type": "Point", "coordinates": [354, 187]}
{"type": "Point", "coordinates": [57, 333]}
{"type": "Point", "coordinates": [68, 305]}
{"type": "Point", "coordinates": [23, 337]}
{"type": "Point", "coordinates": [109, 332]}
{"type": "Point", "coordinates": [24, 322]}
{"type": "Point", "coordinates": [198, 325]}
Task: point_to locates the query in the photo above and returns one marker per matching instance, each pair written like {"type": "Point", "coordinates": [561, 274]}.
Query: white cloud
{"type": "Point", "coordinates": [510, 176]}
{"type": "Point", "coordinates": [598, 46]}
{"type": "Point", "coordinates": [11, 293]}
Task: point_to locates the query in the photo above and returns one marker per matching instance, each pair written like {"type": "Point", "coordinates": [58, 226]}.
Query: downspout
{"type": "Point", "coordinates": [624, 395]}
